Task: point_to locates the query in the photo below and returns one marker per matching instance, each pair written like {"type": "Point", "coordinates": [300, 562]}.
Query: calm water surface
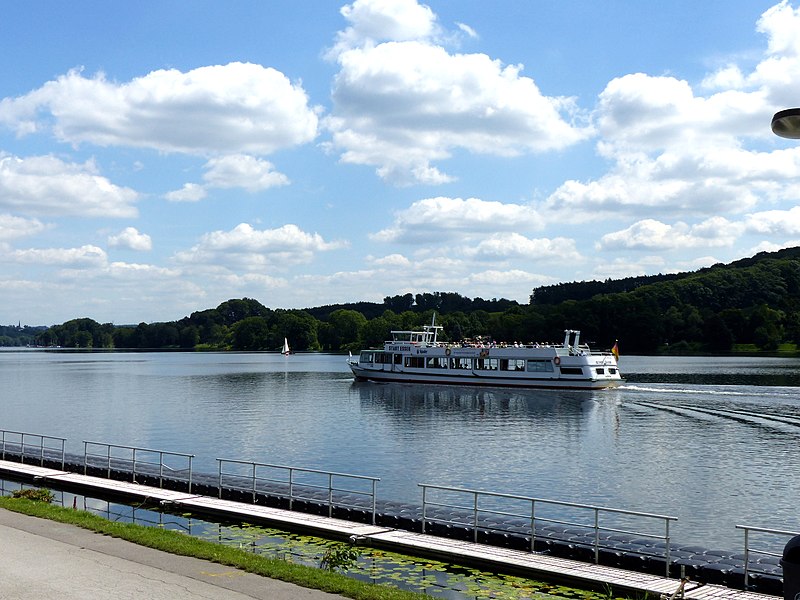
{"type": "Point", "coordinates": [712, 441]}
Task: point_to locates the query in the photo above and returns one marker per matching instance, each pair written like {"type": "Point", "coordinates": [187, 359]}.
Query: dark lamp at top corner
{"type": "Point", "coordinates": [786, 123]}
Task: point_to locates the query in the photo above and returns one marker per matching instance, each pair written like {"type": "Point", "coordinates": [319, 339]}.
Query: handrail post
{"type": "Point", "coordinates": [133, 467]}
{"type": "Point", "coordinates": [746, 557]}
{"type": "Point", "coordinates": [108, 463]}
{"type": "Point", "coordinates": [41, 450]}
{"type": "Point", "coordinates": [160, 469]}
{"type": "Point", "coordinates": [22, 448]}
{"type": "Point", "coordinates": [533, 524]}
{"type": "Point", "coordinates": [597, 536]}
{"type": "Point", "coordinates": [219, 480]}
{"type": "Point", "coordinates": [424, 500]}
{"type": "Point", "coordinates": [475, 517]}
{"type": "Point", "coordinates": [190, 472]}
{"type": "Point", "coordinates": [374, 504]}
{"type": "Point", "coordinates": [85, 456]}
{"type": "Point", "coordinates": [291, 488]}
{"type": "Point", "coordinates": [666, 547]}
{"type": "Point", "coordinates": [254, 483]}
{"type": "Point", "coordinates": [63, 459]}
{"type": "Point", "coordinates": [330, 495]}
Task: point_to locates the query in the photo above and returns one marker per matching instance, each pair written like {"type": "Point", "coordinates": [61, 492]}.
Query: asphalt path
{"type": "Point", "coordinates": [46, 560]}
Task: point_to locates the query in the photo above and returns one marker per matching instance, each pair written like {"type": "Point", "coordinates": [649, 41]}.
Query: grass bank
{"type": "Point", "coordinates": [179, 543]}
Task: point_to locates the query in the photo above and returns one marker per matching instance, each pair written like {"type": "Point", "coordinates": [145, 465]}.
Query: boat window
{"type": "Point", "coordinates": [437, 362]}
{"type": "Point", "coordinates": [488, 364]}
{"type": "Point", "coordinates": [571, 371]}
{"type": "Point", "coordinates": [416, 362]}
{"type": "Point", "coordinates": [540, 366]}
{"type": "Point", "coordinates": [512, 364]}
{"type": "Point", "coordinates": [383, 358]}
{"type": "Point", "coordinates": [398, 359]}
{"type": "Point", "coordinates": [601, 371]}
{"type": "Point", "coordinates": [612, 371]}
{"type": "Point", "coordinates": [366, 357]}
{"type": "Point", "coordinates": [461, 363]}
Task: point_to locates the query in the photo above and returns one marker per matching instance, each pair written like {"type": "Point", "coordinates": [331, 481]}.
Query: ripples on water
{"type": "Point", "coordinates": [712, 441]}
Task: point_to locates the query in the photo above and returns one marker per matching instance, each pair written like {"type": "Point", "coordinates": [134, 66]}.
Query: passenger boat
{"type": "Point", "coordinates": [418, 357]}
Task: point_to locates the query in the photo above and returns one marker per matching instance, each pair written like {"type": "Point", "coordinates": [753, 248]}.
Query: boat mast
{"type": "Point", "coordinates": [432, 327]}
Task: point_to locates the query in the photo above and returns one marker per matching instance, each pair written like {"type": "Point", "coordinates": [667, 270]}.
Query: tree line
{"type": "Point", "coordinates": [751, 304]}
{"type": "Point", "coordinates": [19, 335]}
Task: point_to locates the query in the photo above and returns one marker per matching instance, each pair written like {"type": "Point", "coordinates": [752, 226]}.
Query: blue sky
{"type": "Point", "coordinates": [158, 158]}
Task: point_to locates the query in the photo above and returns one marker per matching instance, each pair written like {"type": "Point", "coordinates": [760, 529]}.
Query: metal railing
{"type": "Point", "coordinates": [141, 461]}
{"type": "Point", "coordinates": [336, 490]}
{"type": "Point", "coordinates": [769, 544]}
{"type": "Point", "coordinates": [34, 445]}
{"type": "Point", "coordinates": [578, 523]}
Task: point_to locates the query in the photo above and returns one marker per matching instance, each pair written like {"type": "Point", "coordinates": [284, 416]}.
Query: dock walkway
{"type": "Point", "coordinates": [499, 559]}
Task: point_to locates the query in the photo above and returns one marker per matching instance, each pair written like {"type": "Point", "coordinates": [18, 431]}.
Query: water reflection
{"type": "Point", "coordinates": [408, 399]}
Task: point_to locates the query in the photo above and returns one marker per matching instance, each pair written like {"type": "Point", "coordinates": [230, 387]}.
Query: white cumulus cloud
{"type": "Point", "coordinates": [85, 255]}
{"type": "Point", "coordinates": [12, 227]}
{"type": "Point", "coordinates": [239, 170]}
{"type": "Point", "coordinates": [441, 218]}
{"type": "Point", "coordinates": [403, 103]}
{"type": "Point", "coordinates": [237, 107]}
{"type": "Point", "coordinates": [250, 248]}
{"type": "Point", "coordinates": [650, 234]}
{"type": "Point", "coordinates": [46, 185]}
{"type": "Point", "coordinates": [132, 239]}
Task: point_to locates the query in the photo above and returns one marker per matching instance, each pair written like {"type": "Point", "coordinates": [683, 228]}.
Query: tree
{"type": "Point", "coordinates": [298, 327]}
{"type": "Point", "coordinates": [233, 311]}
{"type": "Point", "coordinates": [717, 336]}
{"type": "Point", "coordinates": [189, 336]}
{"type": "Point", "coordinates": [344, 331]}
{"type": "Point", "coordinates": [251, 333]}
{"type": "Point", "coordinates": [767, 326]}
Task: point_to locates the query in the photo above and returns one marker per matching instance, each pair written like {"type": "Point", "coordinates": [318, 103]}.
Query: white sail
{"type": "Point", "coordinates": [285, 351]}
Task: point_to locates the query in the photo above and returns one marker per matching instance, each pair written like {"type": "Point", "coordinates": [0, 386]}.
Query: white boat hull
{"type": "Point", "coordinates": [482, 380]}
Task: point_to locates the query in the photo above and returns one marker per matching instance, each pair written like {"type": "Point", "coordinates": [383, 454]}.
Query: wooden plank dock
{"type": "Point", "coordinates": [494, 558]}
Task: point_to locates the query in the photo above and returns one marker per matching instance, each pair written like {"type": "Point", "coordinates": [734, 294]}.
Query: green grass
{"type": "Point", "coordinates": [785, 349]}
{"type": "Point", "coordinates": [179, 543]}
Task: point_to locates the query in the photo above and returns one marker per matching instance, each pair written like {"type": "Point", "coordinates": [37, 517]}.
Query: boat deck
{"type": "Point", "coordinates": [529, 564]}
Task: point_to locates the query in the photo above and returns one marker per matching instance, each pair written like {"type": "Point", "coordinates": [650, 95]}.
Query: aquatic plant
{"type": "Point", "coordinates": [35, 494]}
{"type": "Point", "coordinates": [339, 557]}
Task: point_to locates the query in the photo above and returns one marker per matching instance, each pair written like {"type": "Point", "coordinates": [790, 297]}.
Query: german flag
{"type": "Point", "coordinates": [615, 350]}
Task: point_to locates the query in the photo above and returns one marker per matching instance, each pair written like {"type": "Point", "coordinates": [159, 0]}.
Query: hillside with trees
{"type": "Point", "coordinates": [751, 304]}
{"type": "Point", "coordinates": [19, 335]}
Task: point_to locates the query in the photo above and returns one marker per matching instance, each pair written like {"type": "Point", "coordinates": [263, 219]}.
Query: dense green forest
{"type": "Point", "coordinates": [751, 304]}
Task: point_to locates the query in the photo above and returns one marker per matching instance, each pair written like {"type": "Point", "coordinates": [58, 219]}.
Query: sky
{"type": "Point", "coordinates": [158, 158]}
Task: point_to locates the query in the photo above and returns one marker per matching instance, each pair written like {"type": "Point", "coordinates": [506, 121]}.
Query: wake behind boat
{"type": "Point", "coordinates": [418, 357]}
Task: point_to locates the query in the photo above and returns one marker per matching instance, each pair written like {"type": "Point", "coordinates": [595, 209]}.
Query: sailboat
{"type": "Point", "coordinates": [285, 350]}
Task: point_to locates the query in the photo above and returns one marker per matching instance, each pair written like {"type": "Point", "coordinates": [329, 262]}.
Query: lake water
{"type": "Point", "coordinates": [712, 441]}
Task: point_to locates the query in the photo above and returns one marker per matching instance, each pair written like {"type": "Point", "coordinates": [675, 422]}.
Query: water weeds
{"type": "Point", "coordinates": [438, 579]}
